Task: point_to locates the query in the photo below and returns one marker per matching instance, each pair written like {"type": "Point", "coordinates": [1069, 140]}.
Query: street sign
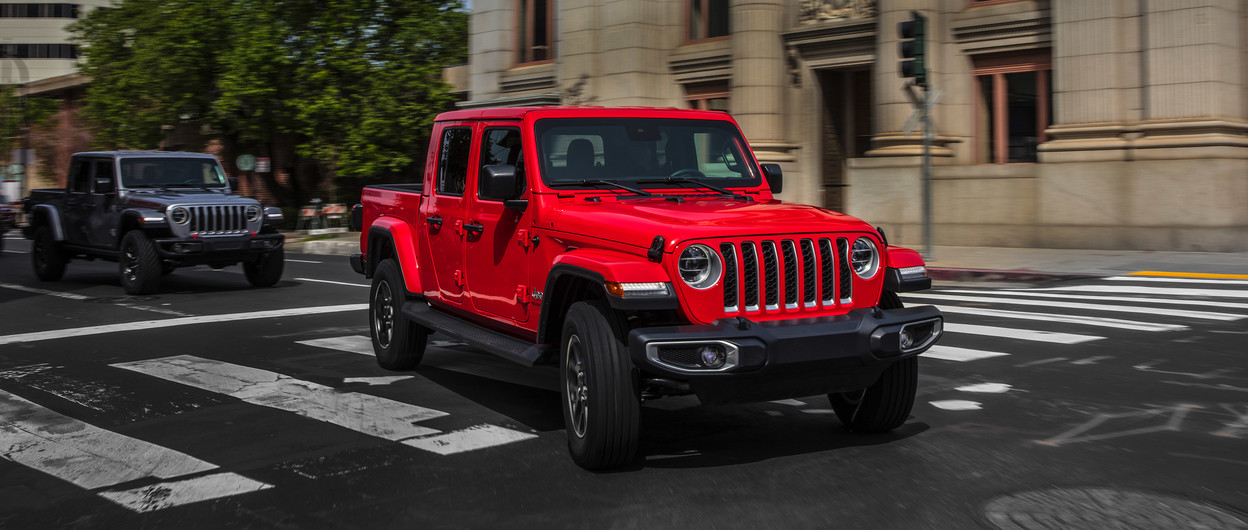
{"type": "Point", "coordinates": [262, 165]}
{"type": "Point", "coordinates": [246, 162]}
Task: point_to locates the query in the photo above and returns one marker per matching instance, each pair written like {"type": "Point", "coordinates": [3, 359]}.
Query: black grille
{"type": "Point", "coordinates": [750, 257]}
{"type": "Point", "coordinates": [682, 356]}
{"type": "Point", "coordinates": [847, 275]}
{"type": "Point", "coordinates": [828, 266]}
{"type": "Point", "coordinates": [790, 272]}
{"type": "Point", "coordinates": [730, 275]}
{"type": "Point", "coordinates": [809, 293]}
{"type": "Point", "coordinates": [771, 273]}
{"type": "Point", "coordinates": [215, 220]}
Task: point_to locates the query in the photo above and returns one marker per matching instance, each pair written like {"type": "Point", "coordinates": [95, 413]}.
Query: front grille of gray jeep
{"type": "Point", "coordinates": [215, 220]}
{"type": "Point", "coordinates": [805, 273]}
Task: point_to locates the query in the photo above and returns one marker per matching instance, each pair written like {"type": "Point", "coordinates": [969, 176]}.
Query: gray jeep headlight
{"type": "Point", "coordinates": [700, 266]}
{"type": "Point", "coordinates": [864, 258]}
{"type": "Point", "coordinates": [179, 215]}
{"type": "Point", "coordinates": [253, 213]}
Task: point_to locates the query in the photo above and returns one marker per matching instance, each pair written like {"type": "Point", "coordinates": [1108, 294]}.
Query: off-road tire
{"type": "Point", "coordinates": [398, 342]}
{"type": "Point", "coordinates": [886, 404]}
{"type": "Point", "coordinates": [138, 265]}
{"type": "Point", "coordinates": [600, 395]}
{"type": "Point", "coordinates": [266, 269]}
{"type": "Point", "coordinates": [46, 256]}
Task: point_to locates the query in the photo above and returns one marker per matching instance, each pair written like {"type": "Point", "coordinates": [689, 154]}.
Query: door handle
{"type": "Point", "coordinates": [435, 222]}
{"type": "Point", "coordinates": [474, 227]}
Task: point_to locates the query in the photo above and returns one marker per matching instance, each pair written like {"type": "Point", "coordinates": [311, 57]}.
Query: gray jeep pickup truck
{"type": "Point", "coordinates": [151, 212]}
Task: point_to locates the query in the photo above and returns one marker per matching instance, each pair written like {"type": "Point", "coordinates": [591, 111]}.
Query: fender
{"type": "Point", "coordinates": [53, 218]}
{"type": "Point", "coordinates": [598, 267]}
{"type": "Point", "coordinates": [399, 233]}
{"type": "Point", "coordinates": [612, 266]}
{"type": "Point", "coordinates": [900, 258]}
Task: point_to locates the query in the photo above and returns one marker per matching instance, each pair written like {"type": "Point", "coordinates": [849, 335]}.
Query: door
{"type": "Point", "coordinates": [78, 204]}
{"type": "Point", "coordinates": [498, 243]}
{"type": "Point", "coordinates": [846, 128]}
{"type": "Point", "coordinates": [103, 214]}
{"type": "Point", "coordinates": [445, 211]}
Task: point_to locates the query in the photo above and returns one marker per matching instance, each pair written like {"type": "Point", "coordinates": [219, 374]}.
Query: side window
{"type": "Point", "coordinates": [103, 170]}
{"type": "Point", "coordinates": [502, 147]}
{"type": "Point", "coordinates": [79, 176]}
{"type": "Point", "coordinates": [453, 160]}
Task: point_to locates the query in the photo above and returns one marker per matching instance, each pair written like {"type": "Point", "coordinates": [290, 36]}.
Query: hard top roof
{"type": "Point", "coordinates": [518, 113]}
{"type": "Point", "coordinates": [146, 154]}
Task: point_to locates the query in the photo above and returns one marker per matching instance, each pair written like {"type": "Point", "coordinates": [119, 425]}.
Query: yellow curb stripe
{"type": "Point", "coordinates": [1189, 275]}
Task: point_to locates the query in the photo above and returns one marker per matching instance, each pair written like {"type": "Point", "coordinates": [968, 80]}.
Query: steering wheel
{"type": "Point", "coordinates": [686, 173]}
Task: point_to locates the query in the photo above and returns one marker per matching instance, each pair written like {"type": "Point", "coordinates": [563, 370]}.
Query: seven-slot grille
{"type": "Point", "coordinates": [812, 272]}
{"type": "Point", "coordinates": [218, 220]}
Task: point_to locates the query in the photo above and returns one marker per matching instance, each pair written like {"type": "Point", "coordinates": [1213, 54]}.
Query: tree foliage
{"type": "Point", "coordinates": [358, 81]}
{"type": "Point", "coordinates": [20, 112]}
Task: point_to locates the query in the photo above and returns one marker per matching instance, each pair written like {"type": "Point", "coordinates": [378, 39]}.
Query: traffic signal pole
{"type": "Point", "coordinates": [927, 174]}
{"type": "Point", "coordinates": [913, 48]}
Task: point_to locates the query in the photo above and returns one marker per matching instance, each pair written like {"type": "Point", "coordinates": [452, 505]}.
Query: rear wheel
{"type": "Point", "coordinates": [886, 404]}
{"type": "Point", "coordinates": [398, 342]}
{"type": "Point", "coordinates": [45, 256]}
{"type": "Point", "coordinates": [265, 270]}
{"type": "Point", "coordinates": [138, 264]}
{"type": "Point", "coordinates": [601, 403]}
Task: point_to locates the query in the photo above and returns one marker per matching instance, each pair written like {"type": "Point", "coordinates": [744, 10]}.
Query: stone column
{"type": "Point", "coordinates": [892, 106]}
{"type": "Point", "coordinates": [491, 46]}
{"type": "Point", "coordinates": [758, 77]}
{"type": "Point", "coordinates": [634, 40]}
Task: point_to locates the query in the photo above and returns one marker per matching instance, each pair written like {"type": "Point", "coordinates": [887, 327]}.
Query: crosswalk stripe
{"type": "Point", "coordinates": [1022, 334]}
{"type": "Point", "coordinates": [93, 458]}
{"type": "Point", "coordinates": [368, 414]}
{"type": "Point", "coordinates": [470, 439]}
{"type": "Point", "coordinates": [361, 344]}
{"type": "Point", "coordinates": [179, 492]}
{"type": "Point", "coordinates": [1223, 281]}
{"type": "Point", "coordinates": [1160, 291]}
{"type": "Point", "coordinates": [1206, 315]}
{"type": "Point", "coordinates": [1069, 319]}
{"type": "Point", "coordinates": [1067, 296]}
{"type": "Point", "coordinates": [951, 353]}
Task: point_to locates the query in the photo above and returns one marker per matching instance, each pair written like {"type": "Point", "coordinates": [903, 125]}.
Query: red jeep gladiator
{"type": "Point", "coordinates": [643, 251]}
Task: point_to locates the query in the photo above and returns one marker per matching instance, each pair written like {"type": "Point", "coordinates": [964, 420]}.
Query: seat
{"type": "Point", "coordinates": [580, 159]}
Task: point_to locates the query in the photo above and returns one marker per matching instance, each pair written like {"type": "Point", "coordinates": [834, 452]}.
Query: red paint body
{"type": "Point", "coordinates": [491, 278]}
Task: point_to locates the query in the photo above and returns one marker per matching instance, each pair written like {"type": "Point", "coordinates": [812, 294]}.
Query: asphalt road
{"type": "Point", "coordinates": [1081, 404]}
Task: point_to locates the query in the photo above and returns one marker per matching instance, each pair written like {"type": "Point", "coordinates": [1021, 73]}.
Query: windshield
{"type": "Point", "coordinates": [629, 150]}
{"type": "Point", "coordinates": [171, 173]}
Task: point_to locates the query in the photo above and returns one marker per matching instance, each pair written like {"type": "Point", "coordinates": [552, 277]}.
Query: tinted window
{"type": "Point", "coordinates": [453, 160]}
{"type": "Point", "coordinates": [171, 173]}
{"type": "Point", "coordinates": [104, 170]}
{"type": "Point", "coordinates": [79, 176]}
{"type": "Point", "coordinates": [502, 147]}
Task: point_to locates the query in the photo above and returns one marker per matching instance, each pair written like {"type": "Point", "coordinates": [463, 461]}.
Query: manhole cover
{"type": "Point", "coordinates": [1105, 509]}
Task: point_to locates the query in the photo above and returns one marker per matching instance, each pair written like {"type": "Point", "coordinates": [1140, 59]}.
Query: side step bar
{"type": "Point", "coordinates": [509, 348]}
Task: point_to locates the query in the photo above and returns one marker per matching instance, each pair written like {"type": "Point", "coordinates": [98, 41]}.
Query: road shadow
{"type": "Point", "coordinates": [536, 408]}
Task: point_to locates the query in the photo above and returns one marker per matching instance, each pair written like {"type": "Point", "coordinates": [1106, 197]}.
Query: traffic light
{"type": "Point", "coordinates": [914, 48]}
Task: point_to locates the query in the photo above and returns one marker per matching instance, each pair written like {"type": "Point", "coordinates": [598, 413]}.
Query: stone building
{"type": "Point", "coordinates": [1113, 124]}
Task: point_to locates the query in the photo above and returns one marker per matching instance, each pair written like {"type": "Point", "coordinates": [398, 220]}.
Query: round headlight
{"type": "Point", "coordinates": [699, 266]}
{"type": "Point", "coordinates": [864, 258]}
{"type": "Point", "coordinates": [253, 213]}
{"type": "Point", "coordinates": [179, 215]}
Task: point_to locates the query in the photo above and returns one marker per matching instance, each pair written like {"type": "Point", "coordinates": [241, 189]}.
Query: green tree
{"type": "Point", "coordinates": [17, 113]}
{"type": "Point", "coordinates": [357, 81]}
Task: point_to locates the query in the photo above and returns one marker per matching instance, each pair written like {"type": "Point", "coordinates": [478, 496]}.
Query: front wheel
{"type": "Point", "coordinates": [886, 404]}
{"type": "Point", "coordinates": [601, 403]}
{"type": "Point", "coordinates": [45, 256]}
{"type": "Point", "coordinates": [265, 270]}
{"type": "Point", "coordinates": [138, 264]}
{"type": "Point", "coordinates": [398, 342]}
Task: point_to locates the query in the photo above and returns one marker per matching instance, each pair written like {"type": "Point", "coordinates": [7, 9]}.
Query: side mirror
{"type": "Point", "coordinates": [500, 183]}
{"type": "Point", "coordinates": [103, 185]}
{"type": "Point", "coordinates": [233, 181]}
{"type": "Point", "coordinates": [356, 222]}
{"type": "Point", "coordinates": [775, 177]}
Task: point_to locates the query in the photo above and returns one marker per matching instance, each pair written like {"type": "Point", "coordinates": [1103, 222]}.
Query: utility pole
{"type": "Point", "coordinates": [913, 65]}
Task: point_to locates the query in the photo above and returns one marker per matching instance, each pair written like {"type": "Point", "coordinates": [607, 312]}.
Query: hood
{"type": "Point", "coordinates": [157, 198]}
{"type": "Point", "coordinates": [637, 221]}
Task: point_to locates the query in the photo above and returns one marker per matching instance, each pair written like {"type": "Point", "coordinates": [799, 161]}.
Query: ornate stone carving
{"type": "Point", "coordinates": [812, 11]}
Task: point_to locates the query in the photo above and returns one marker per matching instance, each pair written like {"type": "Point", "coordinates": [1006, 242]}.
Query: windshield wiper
{"type": "Point", "coordinates": [687, 180]}
{"type": "Point", "coordinates": [592, 182]}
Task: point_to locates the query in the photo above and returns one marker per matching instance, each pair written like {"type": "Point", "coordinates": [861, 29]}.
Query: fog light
{"type": "Point", "coordinates": [907, 339]}
{"type": "Point", "coordinates": [712, 356]}
{"type": "Point", "coordinates": [179, 247]}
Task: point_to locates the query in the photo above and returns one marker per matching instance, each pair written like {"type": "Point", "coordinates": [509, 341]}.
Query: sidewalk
{"type": "Point", "coordinates": [974, 264]}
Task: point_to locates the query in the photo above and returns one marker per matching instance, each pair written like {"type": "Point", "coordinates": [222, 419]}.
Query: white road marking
{"type": "Point", "coordinates": [36, 290]}
{"type": "Point", "coordinates": [1023, 334]}
{"type": "Point", "coordinates": [302, 261]}
{"type": "Point", "coordinates": [1206, 315]}
{"type": "Point", "coordinates": [790, 402]}
{"type": "Point", "coordinates": [950, 353]}
{"type": "Point", "coordinates": [15, 251]}
{"type": "Point", "coordinates": [1175, 280]}
{"type": "Point", "coordinates": [470, 439]}
{"type": "Point", "coordinates": [1069, 319]}
{"type": "Point", "coordinates": [377, 381]}
{"type": "Point", "coordinates": [1040, 362]}
{"type": "Point", "coordinates": [171, 322]}
{"type": "Point", "coordinates": [1092, 360]}
{"type": "Point", "coordinates": [333, 282]}
{"type": "Point", "coordinates": [1159, 291]}
{"type": "Point", "coordinates": [986, 388]}
{"type": "Point", "coordinates": [957, 404]}
{"type": "Point", "coordinates": [1067, 296]}
{"type": "Point", "coordinates": [372, 415]}
{"type": "Point", "coordinates": [192, 490]}
{"type": "Point", "coordinates": [92, 458]}
{"type": "Point", "coordinates": [351, 343]}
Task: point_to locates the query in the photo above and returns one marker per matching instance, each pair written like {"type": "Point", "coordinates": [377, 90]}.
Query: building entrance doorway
{"type": "Point", "coordinates": [845, 128]}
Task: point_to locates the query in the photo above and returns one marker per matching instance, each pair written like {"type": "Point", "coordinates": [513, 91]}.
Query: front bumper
{"type": "Point", "coordinates": [789, 358]}
{"type": "Point", "coordinates": [217, 249]}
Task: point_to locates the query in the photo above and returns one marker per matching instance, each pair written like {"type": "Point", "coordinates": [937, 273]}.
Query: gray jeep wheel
{"type": "Point", "coordinates": [265, 270]}
{"type": "Point", "coordinates": [138, 264]}
{"type": "Point", "coordinates": [45, 256]}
